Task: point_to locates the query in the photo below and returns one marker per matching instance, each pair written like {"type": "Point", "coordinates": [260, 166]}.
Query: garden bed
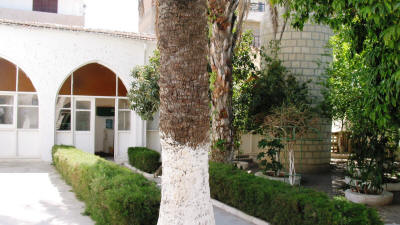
{"type": "Point", "coordinates": [280, 203]}
{"type": "Point", "coordinates": [112, 193]}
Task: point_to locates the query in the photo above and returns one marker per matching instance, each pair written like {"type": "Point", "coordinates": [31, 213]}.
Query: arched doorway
{"type": "Point", "coordinates": [19, 113]}
{"type": "Point", "coordinates": [92, 111]}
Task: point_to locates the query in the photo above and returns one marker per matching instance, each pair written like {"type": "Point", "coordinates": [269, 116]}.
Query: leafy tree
{"type": "Point", "coordinates": [144, 93]}
{"type": "Point", "coordinates": [372, 31]}
{"type": "Point", "coordinates": [263, 90]}
{"type": "Point", "coordinates": [364, 79]}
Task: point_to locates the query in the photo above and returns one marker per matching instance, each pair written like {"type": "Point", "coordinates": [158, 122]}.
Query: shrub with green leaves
{"type": "Point", "coordinates": [144, 159]}
{"type": "Point", "coordinates": [112, 193]}
{"type": "Point", "coordinates": [144, 94]}
{"type": "Point", "coordinates": [279, 203]}
{"type": "Point", "coordinates": [273, 150]}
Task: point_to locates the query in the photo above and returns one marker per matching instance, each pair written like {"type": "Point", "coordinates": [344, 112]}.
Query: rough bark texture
{"type": "Point", "coordinates": [221, 51]}
{"type": "Point", "coordinates": [184, 112]}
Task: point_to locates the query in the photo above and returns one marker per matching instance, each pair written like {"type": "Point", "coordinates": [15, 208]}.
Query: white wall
{"type": "Point", "coordinates": [71, 7]}
{"type": "Point", "coordinates": [66, 7]}
{"type": "Point", "coordinates": [17, 4]}
{"type": "Point", "coordinates": [48, 63]}
{"type": "Point", "coordinates": [121, 15]}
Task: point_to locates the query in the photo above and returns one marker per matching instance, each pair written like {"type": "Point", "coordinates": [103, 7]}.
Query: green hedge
{"type": "Point", "coordinates": [113, 194]}
{"type": "Point", "coordinates": [279, 203]}
{"type": "Point", "coordinates": [144, 159]}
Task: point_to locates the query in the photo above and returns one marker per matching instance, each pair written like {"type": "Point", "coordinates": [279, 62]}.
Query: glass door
{"type": "Point", "coordinates": [84, 124]}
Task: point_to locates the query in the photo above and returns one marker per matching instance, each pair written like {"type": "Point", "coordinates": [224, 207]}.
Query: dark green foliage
{"type": "Point", "coordinates": [279, 203]}
{"type": "Point", "coordinates": [372, 160]}
{"type": "Point", "coordinates": [373, 145]}
{"type": "Point", "coordinates": [258, 91]}
{"type": "Point", "coordinates": [113, 194]}
{"type": "Point", "coordinates": [273, 150]}
{"type": "Point", "coordinates": [144, 159]}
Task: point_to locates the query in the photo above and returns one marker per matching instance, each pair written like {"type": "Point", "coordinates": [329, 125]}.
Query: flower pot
{"type": "Point", "coordinates": [285, 179]}
{"type": "Point", "coordinates": [385, 198]}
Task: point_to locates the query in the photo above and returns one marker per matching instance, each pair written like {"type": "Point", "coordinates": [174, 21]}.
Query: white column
{"type": "Point", "coordinates": [47, 106]}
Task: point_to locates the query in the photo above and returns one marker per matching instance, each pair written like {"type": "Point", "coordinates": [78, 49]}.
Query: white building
{"type": "Point", "coordinates": [64, 72]}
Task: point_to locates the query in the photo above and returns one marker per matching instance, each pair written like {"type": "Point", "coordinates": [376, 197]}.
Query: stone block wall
{"type": "Point", "coordinates": [306, 55]}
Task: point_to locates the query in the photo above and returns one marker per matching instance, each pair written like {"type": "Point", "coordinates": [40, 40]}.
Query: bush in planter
{"type": "Point", "coordinates": [372, 160]}
{"type": "Point", "coordinates": [274, 148]}
{"type": "Point", "coordinates": [280, 203]}
{"type": "Point", "coordinates": [113, 194]}
{"type": "Point", "coordinates": [144, 159]}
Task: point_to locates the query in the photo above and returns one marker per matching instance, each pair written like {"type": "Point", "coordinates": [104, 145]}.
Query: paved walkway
{"type": "Point", "coordinates": [33, 193]}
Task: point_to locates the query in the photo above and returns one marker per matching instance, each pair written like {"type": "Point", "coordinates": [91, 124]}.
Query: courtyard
{"type": "Point", "coordinates": [33, 193]}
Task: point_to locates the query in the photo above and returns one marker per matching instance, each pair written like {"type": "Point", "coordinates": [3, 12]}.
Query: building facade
{"type": "Point", "coordinates": [64, 79]}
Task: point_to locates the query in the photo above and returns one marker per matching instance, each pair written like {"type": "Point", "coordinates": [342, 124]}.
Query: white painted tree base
{"type": "Point", "coordinates": [372, 200]}
{"type": "Point", "coordinates": [185, 191]}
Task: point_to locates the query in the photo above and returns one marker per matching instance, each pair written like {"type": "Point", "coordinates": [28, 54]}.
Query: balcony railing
{"type": "Point", "coordinates": [257, 7]}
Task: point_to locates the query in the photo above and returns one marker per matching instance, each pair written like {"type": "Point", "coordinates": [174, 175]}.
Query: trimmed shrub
{"type": "Point", "coordinates": [144, 159]}
{"type": "Point", "coordinates": [112, 193]}
{"type": "Point", "coordinates": [280, 203]}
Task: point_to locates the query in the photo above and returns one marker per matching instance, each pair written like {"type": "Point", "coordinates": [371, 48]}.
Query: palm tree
{"type": "Point", "coordinates": [184, 112]}
{"type": "Point", "coordinates": [227, 17]}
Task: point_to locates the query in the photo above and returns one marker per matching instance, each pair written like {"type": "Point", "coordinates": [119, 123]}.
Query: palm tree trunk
{"type": "Point", "coordinates": [222, 44]}
{"type": "Point", "coordinates": [184, 112]}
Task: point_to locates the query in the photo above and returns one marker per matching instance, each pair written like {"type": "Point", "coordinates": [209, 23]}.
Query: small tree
{"type": "Point", "coordinates": [289, 123]}
{"type": "Point", "coordinates": [144, 93]}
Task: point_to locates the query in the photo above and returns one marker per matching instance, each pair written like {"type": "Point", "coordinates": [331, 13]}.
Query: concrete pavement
{"type": "Point", "coordinates": [33, 193]}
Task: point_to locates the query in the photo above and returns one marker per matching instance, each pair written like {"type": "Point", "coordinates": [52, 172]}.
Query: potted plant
{"type": "Point", "coordinates": [272, 168]}
{"type": "Point", "coordinates": [366, 169]}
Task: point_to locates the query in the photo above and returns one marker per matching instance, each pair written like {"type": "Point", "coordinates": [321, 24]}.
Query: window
{"type": "Point", "coordinates": [63, 108]}
{"type": "Point", "coordinates": [91, 80]}
{"type": "Point", "coordinates": [17, 98]}
{"type": "Point", "coordinates": [6, 109]}
{"type": "Point", "coordinates": [124, 115]}
{"type": "Point", "coordinates": [82, 122]}
{"type": "Point", "coordinates": [45, 5]}
{"type": "Point", "coordinates": [28, 111]}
